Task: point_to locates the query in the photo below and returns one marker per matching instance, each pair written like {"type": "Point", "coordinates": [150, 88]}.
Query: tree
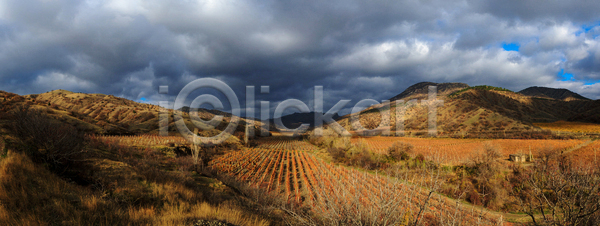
{"type": "Point", "coordinates": [557, 192]}
{"type": "Point", "coordinates": [486, 166]}
{"type": "Point", "coordinates": [196, 147]}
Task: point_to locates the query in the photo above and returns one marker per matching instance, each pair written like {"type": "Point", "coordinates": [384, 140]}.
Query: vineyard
{"type": "Point", "coordinates": [457, 151]}
{"type": "Point", "coordinates": [289, 170]}
{"type": "Point", "coordinates": [333, 191]}
{"type": "Point", "coordinates": [275, 143]}
{"type": "Point", "coordinates": [588, 155]}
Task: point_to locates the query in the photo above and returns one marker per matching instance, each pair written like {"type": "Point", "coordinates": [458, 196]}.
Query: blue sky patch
{"type": "Point", "coordinates": [591, 82]}
{"type": "Point", "coordinates": [565, 76]}
{"type": "Point", "coordinates": [511, 46]}
{"type": "Point", "coordinates": [587, 28]}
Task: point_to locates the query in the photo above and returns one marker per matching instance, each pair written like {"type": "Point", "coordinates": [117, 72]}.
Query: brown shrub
{"type": "Point", "coordinates": [337, 154]}
{"type": "Point", "coordinates": [46, 140]}
{"type": "Point", "coordinates": [400, 151]}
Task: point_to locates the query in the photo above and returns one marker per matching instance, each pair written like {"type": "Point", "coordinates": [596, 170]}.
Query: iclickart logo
{"type": "Point", "coordinates": [320, 119]}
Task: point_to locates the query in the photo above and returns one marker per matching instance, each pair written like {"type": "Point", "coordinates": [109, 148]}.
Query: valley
{"type": "Point", "coordinates": [463, 175]}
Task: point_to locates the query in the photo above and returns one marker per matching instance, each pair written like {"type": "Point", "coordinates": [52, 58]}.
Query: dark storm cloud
{"type": "Point", "coordinates": [355, 49]}
{"type": "Point", "coordinates": [579, 11]}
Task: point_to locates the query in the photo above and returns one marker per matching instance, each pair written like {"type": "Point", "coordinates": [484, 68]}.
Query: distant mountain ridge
{"type": "Point", "coordinates": [295, 120]}
{"type": "Point", "coordinates": [553, 93]}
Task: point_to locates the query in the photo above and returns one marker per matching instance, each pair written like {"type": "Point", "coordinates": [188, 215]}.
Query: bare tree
{"type": "Point", "coordinates": [557, 192]}
{"type": "Point", "coordinates": [196, 147]}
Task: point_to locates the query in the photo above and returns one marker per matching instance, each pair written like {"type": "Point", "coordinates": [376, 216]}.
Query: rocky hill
{"type": "Point", "coordinates": [552, 93]}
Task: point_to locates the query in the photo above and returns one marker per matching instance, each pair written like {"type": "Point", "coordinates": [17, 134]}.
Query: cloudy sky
{"type": "Point", "coordinates": [355, 49]}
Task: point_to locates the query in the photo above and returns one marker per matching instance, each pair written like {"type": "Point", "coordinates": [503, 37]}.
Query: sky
{"type": "Point", "coordinates": [354, 49]}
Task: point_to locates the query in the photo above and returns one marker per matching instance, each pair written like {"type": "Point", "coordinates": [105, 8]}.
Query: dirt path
{"type": "Point", "coordinates": [507, 218]}
{"type": "Point", "coordinates": [578, 147]}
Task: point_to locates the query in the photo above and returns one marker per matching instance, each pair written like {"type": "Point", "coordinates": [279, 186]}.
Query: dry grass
{"type": "Point", "coordinates": [172, 214]}
{"type": "Point", "coordinates": [32, 195]}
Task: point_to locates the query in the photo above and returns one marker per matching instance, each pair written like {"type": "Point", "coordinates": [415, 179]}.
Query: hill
{"type": "Point", "coordinates": [104, 114]}
{"type": "Point", "coordinates": [552, 93]}
{"type": "Point", "coordinates": [481, 111]}
{"type": "Point", "coordinates": [420, 90]}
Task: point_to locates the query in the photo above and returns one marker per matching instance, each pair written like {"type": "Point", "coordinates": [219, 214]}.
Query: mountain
{"type": "Point", "coordinates": [466, 111]}
{"type": "Point", "coordinates": [479, 111]}
{"type": "Point", "coordinates": [103, 114]}
{"type": "Point", "coordinates": [552, 93]}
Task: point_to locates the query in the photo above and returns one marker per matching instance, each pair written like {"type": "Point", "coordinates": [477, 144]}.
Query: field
{"type": "Point", "coordinates": [573, 127]}
{"type": "Point", "coordinates": [457, 151]}
{"type": "Point", "coordinates": [588, 155]}
{"type": "Point", "coordinates": [333, 191]}
{"type": "Point", "coordinates": [295, 172]}
{"type": "Point", "coordinates": [277, 143]}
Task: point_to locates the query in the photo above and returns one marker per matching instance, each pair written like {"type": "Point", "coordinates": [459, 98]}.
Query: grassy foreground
{"type": "Point", "coordinates": [32, 195]}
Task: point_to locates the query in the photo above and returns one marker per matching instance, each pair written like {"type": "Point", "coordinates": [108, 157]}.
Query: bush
{"type": "Point", "coordinates": [338, 154]}
{"type": "Point", "coordinates": [420, 158]}
{"type": "Point", "coordinates": [400, 151]}
{"type": "Point", "coordinates": [485, 161]}
{"type": "Point", "coordinates": [473, 197]}
{"type": "Point", "coordinates": [365, 160]}
{"type": "Point", "coordinates": [45, 140]}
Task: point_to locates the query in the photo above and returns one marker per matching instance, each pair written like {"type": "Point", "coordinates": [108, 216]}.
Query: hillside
{"type": "Point", "coordinates": [552, 93]}
{"type": "Point", "coordinates": [103, 114]}
{"type": "Point", "coordinates": [482, 111]}
{"type": "Point", "coordinates": [421, 89]}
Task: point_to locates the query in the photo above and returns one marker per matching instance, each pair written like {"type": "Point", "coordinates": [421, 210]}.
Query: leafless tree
{"type": "Point", "coordinates": [555, 191]}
